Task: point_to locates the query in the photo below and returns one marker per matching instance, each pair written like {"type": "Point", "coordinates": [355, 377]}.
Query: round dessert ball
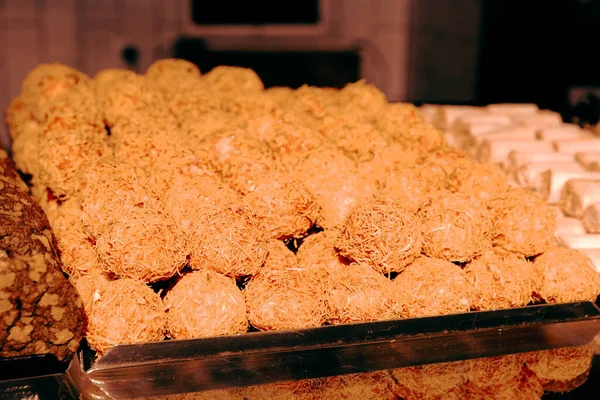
{"type": "Point", "coordinates": [226, 79]}
{"type": "Point", "coordinates": [431, 286]}
{"type": "Point", "coordinates": [127, 95]}
{"type": "Point", "coordinates": [205, 303]}
{"type": "Point", "coordinates": [413, 186]}
{"type": "Point", "coordinates": [172, 66]}
{"type": "Point", "coordinates": [565, 275]}
{"type": "Point", "coordinates": [365, 386]}
{"type": "Point", "coordinates": [198, 129]}
{"type": "Point", "coordinates": [402, 122]}
{"type": "Point", "coordinates": [64, 154]}
{"type": "Point", "coordinates": [108, 175]}
{"type": "Point", "coordinates": [25, 149]}
{"type": "Point", "coordinates": [247, 106]}
{"type": "Point", "coordinates": [76, 107]}
{"type": "Point", "coordinates": [144, 244]}
{"type": "Point", "coordinates": [279, 256]}
{"type": "Point", "coordinates": [104, 77]}
{"type": "Point", "coordinates": [395, 156]}
{"type": "Point", "coordinates": [47, 82]}
{"type": "Point", "coordinates": [523, 222]}
{"type": "Point", "coordinates": [125, 312]}
{"type": "Point", "coordinates": [90, 287]}
{"type": "Point", "coordinates": [388, 162]}
{"type": "Point", "coordinates": [77, 250]}
{"type": "Point", "coordinates": [563, 369]}
{"type": "Point", "coordinates": [283, 205]}
{"type": "Point", "coordinates": [357, 293]}
{"type": "Point", "coordinates": [193, 102]}
{"type": "Point", "coordinates": [171, 74]}
{"type": "Point", "coordinates": [500, 280]}
{"type": "Point", "coordinates": [429, 381]}
{"type": "Point", "coordinates": [456, 227]}
{"type": "Point", "coordinates": [290, 141]}
{"type": "Point", "coordinates": [445, 161]}
{"type": "Point", "coordinates": [319, 248]}
{"type": "Point", "coordinates": [354, 135]}
{"type": "Point", "coordinates": [287, 297]}
{"type": "Point", "coordinates": [484, 181]}
{"type": "Point", "coordinates": [361, 97]}
{"type": "Point", "coordinates": [18, 115]}
{"type": "Point", "coordinates": [334, 180]}
{"type": "Point", "coordinates": [239, 158]}
{"type": "Point", "coordinates": [142, 143]}
{"type": "Point", "coordinates": [191, 197]}
{"type": "Point", "coordinates": [526, 385]}
{"type": "Point", "coordinates": [181, 169]}
{"type": "Point", "coordinates": [382, 233]}
{"type": "Point", "coordinates": [280, 94]}
{"type": "Point", "coordinates": [494, 371]}
{"type": "Point", "coordinates": [231, 244]}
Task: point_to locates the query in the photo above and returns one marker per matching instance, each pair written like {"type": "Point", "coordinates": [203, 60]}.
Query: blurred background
{"type": "Point", "coordinates": [438, 51]}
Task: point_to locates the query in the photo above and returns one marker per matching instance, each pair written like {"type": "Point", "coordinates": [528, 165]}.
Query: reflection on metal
{"type": "Point", "coordinates": [37, 377]}
{"type": "Point", "coordinates": [180, 366]}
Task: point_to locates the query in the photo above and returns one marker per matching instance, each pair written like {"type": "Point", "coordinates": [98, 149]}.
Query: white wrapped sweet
{"type": "Point", "coordinates": [579, 194]}
{"type": "Point", "coordinates": [513, 109]}
{"type": "Point", "coordinates": [577, 146]}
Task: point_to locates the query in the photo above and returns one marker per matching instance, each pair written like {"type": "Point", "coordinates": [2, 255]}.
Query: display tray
{"type": "Point", "coordinates": [36, 377]}
{"type": "Point", "coordinates": [182, 366]}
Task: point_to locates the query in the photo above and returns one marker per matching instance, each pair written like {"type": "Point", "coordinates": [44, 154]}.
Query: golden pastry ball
{"type": "Point", "coordinates": [204, 304]}
{"type": "Point", "coordinates": [319, 248]}
{"type": "Point", "coordinates": [334, 180]}
{"type": "Point", "coordinates": [382, 233]}
{"type": "Point", "coordinates": [126, 312]}
{"type": "Point", "coordinates": [500, 280]}
{"type": "Point", "coordinates": [431, 286]}
{"type": "Point", "coordinates": [287, 298]}
{"type": "Point", "coordinates": [456, 227]}
{"type": "Point", "coordinates": [357, 293]}
{"type": "Point", "coordinates": [429, 381]}
{"type": "Point", "coordinates": [283, 205]}
{"type": "Point", "coordinates": [523, 222]}
{"type": "Point", "coordinates": [565, 275]}
{"type": "Point", "coordinates": [562, 369]}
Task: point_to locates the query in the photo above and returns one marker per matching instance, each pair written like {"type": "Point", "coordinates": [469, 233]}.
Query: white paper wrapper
{"type": "Point", "coordinates": [496, 151]}
{"type": "Point", "coordinates": [577, 146]}
{"type": "Point", "coordinates": [567, 226]}
{"type": "Point", "coordinates": [464, 122]}
{"type": "Point", "coordinates": [510, 133]}
{"type": "Point", "coordinates": [577, 195]}
{"type": "Point", "coordinates": [585, 241]}
{"type": "Point", "coordinates": [555, 179]}
{"type": "Point", "coordinates": [562, 132]}
{"type": "Point", "coordinates": [516, 158]}
{"type": "Point", "coordinates": [542, 119]}
{"type": "Point", "coordinates": [589, 161]}
{"type": "Point", "coordinates": [447, 115]}
{"type": "Point", "coordinates": [513, 109]}
{"type": "Point", "coordinates": [531, 175]}
{"type": "Point", "coordinates": [591, 219]}
{"type": "Point", "coordinates": [469, 137]}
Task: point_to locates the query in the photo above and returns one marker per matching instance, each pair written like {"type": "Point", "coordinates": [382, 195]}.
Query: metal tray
{"type": "Point", "coordinates": [37, 376]}
{"type": "Point", "coordinates": [182, 366]}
